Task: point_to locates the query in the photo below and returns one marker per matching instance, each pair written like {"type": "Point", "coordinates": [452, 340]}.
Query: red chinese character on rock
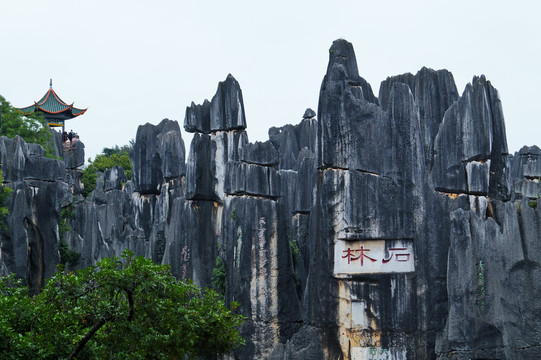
{"type": "Point", "coordinates": [351, 257]}
{"type": "Point", "coordinates": [400, 257]}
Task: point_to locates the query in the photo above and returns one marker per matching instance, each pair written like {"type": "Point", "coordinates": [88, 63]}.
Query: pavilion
{"type": "Point", "coordinates": [54, 110]}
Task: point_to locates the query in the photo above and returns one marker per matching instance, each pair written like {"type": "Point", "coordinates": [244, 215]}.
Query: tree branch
{"type": "Point", "coordinates": [87, 337]}
{"type": "Point", "coordinates": [130, 302]}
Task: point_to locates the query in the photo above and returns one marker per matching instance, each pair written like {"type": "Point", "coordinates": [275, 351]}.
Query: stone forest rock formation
{"type": "Point", "coordinates": [389, 227]}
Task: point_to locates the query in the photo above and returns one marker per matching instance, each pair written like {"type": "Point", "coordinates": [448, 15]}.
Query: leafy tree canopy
{"type": "Point", "coordinates": [32, 128]}
{"type": "Point", "coordinates": [121, 308]}
{"type": "Point", "coordinates": [118, 150]}
{"type": "Point", "coordinates": [109, 157]}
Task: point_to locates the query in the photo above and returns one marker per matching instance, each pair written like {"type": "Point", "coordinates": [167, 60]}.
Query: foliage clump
{"type": "Point", "coordinates": [480, 292]}
{"type": "Point", "coordinates": [121, 308]}
{"type": "Point", "coordinates": [109, 158]}
{"type": "Point", "coordinates": [295, 252]}
{"type": "Point", "coordinates": [67, 256]}
{"type": "Point", "coordinates": [32, 128]}
{"type": "Point", "coordinates": [218, 276]}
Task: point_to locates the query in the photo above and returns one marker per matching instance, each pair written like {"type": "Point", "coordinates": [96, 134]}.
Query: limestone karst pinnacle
{"type": "Point", "coordinates": [361, 231]}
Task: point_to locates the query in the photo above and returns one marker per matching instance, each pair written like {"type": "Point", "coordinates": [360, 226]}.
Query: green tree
{"type": "Point", "coordinates": [121, 308]}
{"type": "Point", "coordinates": [17, 308]}
{"type": "Point", "coordinates": [119, 150]}
{"type": "Point", "coordinates": [107, 159]}
{"type": "Point", "coordinates": [32, 128]}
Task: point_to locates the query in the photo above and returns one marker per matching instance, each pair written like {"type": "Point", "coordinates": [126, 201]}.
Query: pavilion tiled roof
{"type": "Point", "coordinates": [52, 106]}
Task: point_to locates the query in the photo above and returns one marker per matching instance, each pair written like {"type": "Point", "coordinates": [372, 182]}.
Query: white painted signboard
{"type": "Point", "coordinates": [373, 257]}
{"type": "Point", "coordinates": [377, 353]}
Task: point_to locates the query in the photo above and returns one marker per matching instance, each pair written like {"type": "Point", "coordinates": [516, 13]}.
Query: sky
{"type": "Point", "coordinates": [133, 62]}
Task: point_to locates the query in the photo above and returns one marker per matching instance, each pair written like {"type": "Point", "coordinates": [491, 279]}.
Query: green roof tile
{"type": "Point", "coordinates": [53, 107]}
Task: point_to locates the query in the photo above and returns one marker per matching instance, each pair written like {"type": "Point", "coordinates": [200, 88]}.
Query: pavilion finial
{"type": "Point", "coordinates": [50, 83]}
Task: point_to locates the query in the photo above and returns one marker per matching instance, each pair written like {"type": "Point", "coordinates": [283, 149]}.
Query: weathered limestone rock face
{"type": "Point", "coordinates": [470, 149]}
{"type": "Point", "coordinates": [158, 154]}
{"type": "Point", "coordinates": [526, 173]}
{"type": "Point", "coordinates": [434, 93]}
{"type": "Point", "coordinates": [75, 157]}
{"type": "Point", "coordinates": [487, 277]}
{"type": "Point", "coordinates": [225, 111]}
{"type": "Point", "coordinates": [396, 227]}
{"type": "Point", "coordinates": [30, 248]}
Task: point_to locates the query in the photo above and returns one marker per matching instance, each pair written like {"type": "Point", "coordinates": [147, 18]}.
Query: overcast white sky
{"type": "Point", "coordinates": [133, 62]}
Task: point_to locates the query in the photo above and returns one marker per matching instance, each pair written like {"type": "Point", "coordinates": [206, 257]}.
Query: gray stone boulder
{"type": "Point", "coordinates": [309, 114]}
{"type": "Point", "coordinates": [251, 179]}
{"type": "Point", "coordinates": [526, 172]}
{"type": "Point", "coordinates": [75, 157]}
{"type": "Point", "coordinates": [197, 118]}
{"type": "Point", "coordinates": [200, 179]}
{"type": "Point", "coordinates": [115, 178]}
{"type": "Point", "coordinates": [261, 153]}
{"type": "Point", "coordinates": [22, 161]}
{"type": "Point", "coordinates": [158, 153]}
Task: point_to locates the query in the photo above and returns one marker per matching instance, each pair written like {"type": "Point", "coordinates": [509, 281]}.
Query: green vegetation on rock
{"type": "Point", "coordinates": [32, 128]}
{"type": "Point", "coordinates": [109, 158]}
{"type": "Point", "coordinates": [295, 252]}
{"type": "Point", "coordinates": [67, 256]}
{"type": "Point", "coordinates": [218, 276]}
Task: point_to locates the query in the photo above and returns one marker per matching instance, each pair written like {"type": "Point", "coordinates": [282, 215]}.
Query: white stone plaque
{"type": "Point", "coordinates": [377, 353]}
{"type": "Point", "coordinates": [373, 257]}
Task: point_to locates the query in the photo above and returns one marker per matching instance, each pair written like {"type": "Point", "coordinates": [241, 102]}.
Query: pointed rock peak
{"type": "Point", "coordinates": [429, 73]}
{"type": "Point", "coordinates": [481, 79]}
{"type": "Point", "coordinates": [227, 107]}
{"type": "Point", "coordinates": [441, 80]}
{"type": "Point", "coordinates": [468, 89]}
{"type": "Point", "coordinates": [425, 70]}
{"type": "Point", "coordinates": [309, 114]}
{"type": "Point", "coordinates": [230, 83]}
{"type": "Point", "coordinates": [342, 48]}
{"type": "Point", "coordinates": [483, 82]}
{"type": "Point", "coordinates": [343, 68]}
{"type": "Point", "coordinates": [342, 61]}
